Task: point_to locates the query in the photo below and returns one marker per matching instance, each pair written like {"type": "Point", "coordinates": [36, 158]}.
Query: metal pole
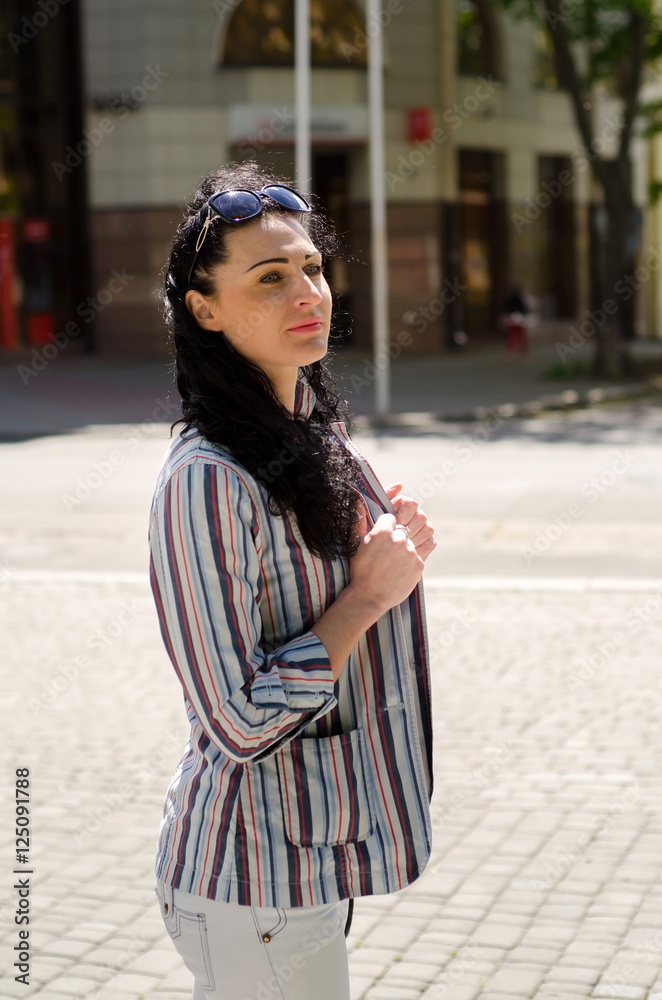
{"type": "Point", "coordinates": [380, 337]}
{"type": "Point", "coordinates": [302, 94]}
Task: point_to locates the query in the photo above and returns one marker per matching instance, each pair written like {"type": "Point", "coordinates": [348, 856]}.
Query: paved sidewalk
{"type": "Point", "coordinates": [544, 879]}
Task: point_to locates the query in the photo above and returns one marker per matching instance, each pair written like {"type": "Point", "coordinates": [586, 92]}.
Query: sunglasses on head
{"type": "Point", "coordinates": [242, 204]}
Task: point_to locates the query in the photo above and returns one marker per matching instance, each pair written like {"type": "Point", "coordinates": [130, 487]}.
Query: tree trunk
{"type": "Point", "coordinates": [620, 250]}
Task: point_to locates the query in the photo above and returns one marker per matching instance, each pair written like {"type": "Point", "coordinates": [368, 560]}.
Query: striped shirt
{"type": "Point", "coordinates": [292, 790]}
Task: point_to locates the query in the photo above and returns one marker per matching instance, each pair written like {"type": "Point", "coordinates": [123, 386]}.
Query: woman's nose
{"type": "Point", "coordinates": [307, 290]}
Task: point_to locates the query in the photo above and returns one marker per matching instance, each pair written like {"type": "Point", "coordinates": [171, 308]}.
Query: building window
{"type": "Point", "coordinates": [476, 39]}
{"type": "Point", "coordinates": [261, 33]}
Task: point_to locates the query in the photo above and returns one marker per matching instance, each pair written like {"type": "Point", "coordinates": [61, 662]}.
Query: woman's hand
{"type": "Point", "coordinates": [407, 511]}
{"type": "Point", "coordinates": [386, 566]}
{"type": "Point", "coordinates": [384, 570]}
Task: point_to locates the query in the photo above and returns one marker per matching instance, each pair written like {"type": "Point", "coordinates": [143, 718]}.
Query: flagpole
{"type": "Point", "coordinates": [380, 337]}
{"type": "Point", "coordinates": [302, 164]}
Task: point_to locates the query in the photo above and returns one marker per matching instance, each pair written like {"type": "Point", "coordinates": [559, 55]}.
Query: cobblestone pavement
{"type": "Point", "coordinates": [544, 880]}
{"type": "Point", "coordinates": [547, 812]}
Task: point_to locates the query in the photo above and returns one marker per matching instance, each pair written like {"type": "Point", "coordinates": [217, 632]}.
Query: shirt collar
{"type": "Point", "coordinates": [304, 399]}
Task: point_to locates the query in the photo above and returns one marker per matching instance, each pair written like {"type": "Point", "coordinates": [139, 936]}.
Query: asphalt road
{"type": "Point", "coordinates": [565, 495]}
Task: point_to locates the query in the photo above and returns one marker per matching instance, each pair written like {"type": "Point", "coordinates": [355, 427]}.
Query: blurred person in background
{"type": "Point", "coordinates": [515, 321]}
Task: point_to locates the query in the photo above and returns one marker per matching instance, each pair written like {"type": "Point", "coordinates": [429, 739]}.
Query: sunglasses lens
{"type": "Point", "coordinates": [287, 198]}
{"type": "Point", "coordinates": [233, 206]}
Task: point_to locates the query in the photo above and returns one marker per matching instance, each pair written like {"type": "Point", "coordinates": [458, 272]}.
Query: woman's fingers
{"type": "Point", "coordinates": [414, 519]}
{"type": "Point", "coordinates": [362, 526]}
{"type": "Point", "coordinates": [421, 532]}
{"type": "Point", "coordinates": [407, 509]}
{"type": "Point", "coordinates": [425, 542]}
{"type": "Point", "coordinates": [408, 513]}
{"type": "Point", "coordinates": [427, 545]}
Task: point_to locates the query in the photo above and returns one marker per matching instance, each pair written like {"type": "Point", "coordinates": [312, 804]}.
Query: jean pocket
{"type": "Point", "coordinates": [188, 933]}
{"type": "Point", "coordinates": [326, 796]}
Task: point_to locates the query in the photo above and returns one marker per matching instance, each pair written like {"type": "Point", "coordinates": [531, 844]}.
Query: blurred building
{"type": "Point", "coordinates": [487, 182]}
{"type": "Point", "coordinates": [44, 241]}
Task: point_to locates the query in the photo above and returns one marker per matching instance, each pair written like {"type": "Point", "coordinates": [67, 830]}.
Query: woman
{"type": "Point", "coordinates": [287, 583]}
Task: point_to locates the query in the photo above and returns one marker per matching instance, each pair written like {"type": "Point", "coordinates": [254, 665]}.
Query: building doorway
{"type": "Point", "coordinates": [483, 239]}
{"type": "Point", "coordinates": [331, 185]}
{"type": "Point", "coordinates": [44, 237]}
{"type": "Point", "coordinates": [557, 252]}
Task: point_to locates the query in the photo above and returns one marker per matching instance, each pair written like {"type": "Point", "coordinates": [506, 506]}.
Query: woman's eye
{"type": "Point", "coordinates": [314, 269]}
{"type": "Point", "coordinates": [270, 279]}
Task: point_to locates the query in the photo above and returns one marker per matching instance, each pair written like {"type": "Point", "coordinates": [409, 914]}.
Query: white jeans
{"type": "Point", "coordinates": [258, 952]}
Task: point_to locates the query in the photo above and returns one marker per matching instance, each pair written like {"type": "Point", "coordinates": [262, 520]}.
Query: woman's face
{"type": "Point", "coordinates": [271, 299]}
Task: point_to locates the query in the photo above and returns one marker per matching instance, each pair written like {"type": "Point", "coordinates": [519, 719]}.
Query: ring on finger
{"type": "Point", "coordinates": [403, 527]}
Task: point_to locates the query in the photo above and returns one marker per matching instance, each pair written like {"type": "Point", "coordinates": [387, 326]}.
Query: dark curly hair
{"type": "Point", "coordinates": [233, 403]}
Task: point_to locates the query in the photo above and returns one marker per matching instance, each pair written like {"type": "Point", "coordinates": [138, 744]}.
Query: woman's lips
{"type": "Point", "coordinates": [309, 325]}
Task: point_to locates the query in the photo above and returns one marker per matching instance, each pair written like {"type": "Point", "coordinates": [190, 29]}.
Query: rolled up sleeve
{"type": "Point", "coordinates": [207, 583]}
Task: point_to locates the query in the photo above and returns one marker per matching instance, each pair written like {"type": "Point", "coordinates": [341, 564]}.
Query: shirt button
{"type": "Point", "coordinates": [266, 938]}
{"type": "Point", "coordinates": [165, 909]}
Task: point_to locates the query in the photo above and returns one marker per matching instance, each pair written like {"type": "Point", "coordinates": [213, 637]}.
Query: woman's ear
{"type": "Point", "coordinates": [202, 310]}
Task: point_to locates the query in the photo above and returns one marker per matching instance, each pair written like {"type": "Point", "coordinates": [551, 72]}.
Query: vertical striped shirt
{"type": "Point", "coordinates": [292, 790]}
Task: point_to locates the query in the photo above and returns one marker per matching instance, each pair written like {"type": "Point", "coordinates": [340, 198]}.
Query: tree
{"type": "Point", "coordinates": [613, 43]}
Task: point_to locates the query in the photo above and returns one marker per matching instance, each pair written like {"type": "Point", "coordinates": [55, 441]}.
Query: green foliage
{"type": "Point", "coordinates": [652, 112]}
{"type": "Point", "coordinates": [605, 29]}
{"type": "Point", "coordinates": [654, 192]}
{"type": "Point", "coordinates": [577, 368]}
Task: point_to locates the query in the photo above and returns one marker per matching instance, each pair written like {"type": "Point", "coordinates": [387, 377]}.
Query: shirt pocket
{"type": "Point", "coordinates": [327, 798]}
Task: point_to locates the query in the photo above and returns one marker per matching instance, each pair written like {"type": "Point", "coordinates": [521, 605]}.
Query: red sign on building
{"type": "Point", "coordinates": [419, 124]}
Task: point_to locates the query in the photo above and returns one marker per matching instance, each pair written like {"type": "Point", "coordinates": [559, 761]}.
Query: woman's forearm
{"type": "Point", "coordinates": [343, 623]}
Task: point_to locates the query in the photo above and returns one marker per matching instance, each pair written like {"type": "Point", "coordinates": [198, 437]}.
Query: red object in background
{"type": "Point", "coordinates": [517, 335]}
{"type": "Point", "coordinates": [39, 316]}
{"type": "Point", "coordinates": [419, 124]}
{"type": "Point", "coordinates": [40, 327]}
{"type": "Point", "coordinates": [8, 315]}
{"type": "Point", "coordinates": [36, 230]}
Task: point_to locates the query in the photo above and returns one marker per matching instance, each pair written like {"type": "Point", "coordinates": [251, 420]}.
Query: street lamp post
{"type": "Point", "coordinates": [379, 259]}
{"type": "Point", "coordinates": [302, 94]}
